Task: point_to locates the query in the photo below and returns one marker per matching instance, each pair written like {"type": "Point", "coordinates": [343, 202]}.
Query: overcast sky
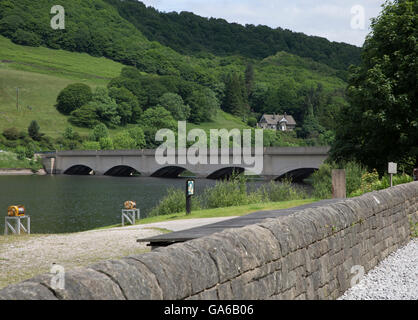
{"type": "Point", "coordinates": [336, 20]}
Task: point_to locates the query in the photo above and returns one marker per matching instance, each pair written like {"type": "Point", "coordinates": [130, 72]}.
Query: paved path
{"type": "Point", "coordinates": [237, 222]}
{"type": "Point", "coordinates": [179, 225]}
{"type": "Point", "coordinates": [22, 257]}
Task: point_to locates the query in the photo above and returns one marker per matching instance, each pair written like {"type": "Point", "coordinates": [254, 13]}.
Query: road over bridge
{"type": "Point", "coordinates": [296, 162]}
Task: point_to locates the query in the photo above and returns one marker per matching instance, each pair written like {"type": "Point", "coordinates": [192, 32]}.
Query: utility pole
{"type": "Point", "coordinates": [17, 99]}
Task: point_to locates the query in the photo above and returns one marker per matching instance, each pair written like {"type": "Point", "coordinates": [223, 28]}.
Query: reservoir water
{"type": "Point", "coordinates": [60, 204]}
{"type": "Point", "coordinates": [65, 203]}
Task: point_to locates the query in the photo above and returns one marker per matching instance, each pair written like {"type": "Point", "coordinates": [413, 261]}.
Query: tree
{"type": "Point", "coordinates": [73, 97]}
{"type": "Point", "coordinates": [85, 116]}
{"type": "Point", "coordinates": [99, 131]}
{"type": "Point", "coordinates": [175, 104]}
{"type": "Point", "coordinates": [106, 107]}
{"type": "Point", "coordinates": [128, 109]}
{"type": "Point", "coordinates": [158, 118]}
{"type": "Point", "coordinates": [69, 133]}
{"type": "Point", "coordinates": [381, 122]}
{"type": "Point", "coordinates": [26, 38]}
{"type": "Point", "coordinates": [236, 99]}
{"type": "Point", "coordinates": [34, 130]}
{"type": "Point", "coordinates": [106, 143]}
{"type": "Point", "coordinates": [124, 141]}
{"type": "Point", "coordinates": [91, 145]}
{"type": "Point", "coordinates": [249, 78]}
{"type": "Point", "coordinates": [154, 119]}
{"type": "Point", "coordinates": [10, 24]}
{"type": "Point", "coordinates": [203, 105]}
{"type": "Point", "coordinates": [137, 134]}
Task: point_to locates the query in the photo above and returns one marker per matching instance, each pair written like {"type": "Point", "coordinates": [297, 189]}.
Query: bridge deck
{"type": "Point", "coordinates": [239, 222]}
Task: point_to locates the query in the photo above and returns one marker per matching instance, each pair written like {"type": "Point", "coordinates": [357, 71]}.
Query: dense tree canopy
{"type": "Point", "coordinates": [188, 33]}
{"type": "Point", "coordinates": [175, 104]}
{"type": "Point", "coordinates": [381, 122]}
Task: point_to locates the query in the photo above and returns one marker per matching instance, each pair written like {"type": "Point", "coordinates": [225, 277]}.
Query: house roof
{"type": "Point", "coordinates": [276, 118]}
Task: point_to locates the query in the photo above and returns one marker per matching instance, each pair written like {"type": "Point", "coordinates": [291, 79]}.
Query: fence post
{"type": "Point", "coordinates": [338, 184]}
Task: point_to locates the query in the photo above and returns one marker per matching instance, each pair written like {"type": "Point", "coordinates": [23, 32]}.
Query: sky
{"type": "Point", "coordinates": [337, 20]}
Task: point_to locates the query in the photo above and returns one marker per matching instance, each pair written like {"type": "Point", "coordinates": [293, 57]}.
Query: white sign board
{"type": "Point", "coordinates": [392, 168]}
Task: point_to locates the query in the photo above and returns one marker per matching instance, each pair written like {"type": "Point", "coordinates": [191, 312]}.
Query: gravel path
{"type": "Point", "coordinates": [395, 278]}
{"type": "Point", "coordinates": [22, 257]}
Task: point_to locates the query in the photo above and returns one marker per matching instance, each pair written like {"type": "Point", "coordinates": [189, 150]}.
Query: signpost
{"type": "Point", "coordinates": [189, 194]}
{"type": "Point", "coordinates": [392, 169]}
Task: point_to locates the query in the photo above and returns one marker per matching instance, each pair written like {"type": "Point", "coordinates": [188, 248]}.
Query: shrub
{"type": "Point", "coordinates": [29, 152]}
{"type": "Point", "coordinates": [123, 141]}
{"type": "Point", "coordinates": [20, 152]}
{"type": "Point", "coordinates": [106, 143]}
{"type": "Point", "coordinates": [282, 191]}
{"type": "Point", "coordinates": [227, 193]}
{"type": "Point", "coordinates": [252, 122]}
{"type": "Point", "coordinates": [99, 131]}
{"type": "Point", "coordinates": [173, 202]}
{"type": "Point", "coordinates": [34, 130]}
{"type": "Point", "coordinates": [91, 145]}
{"type": "Point", "coordinates": [11, 134]}
{"type": "Point", "coordinates": [137, 134]}
{"type": "Point", "coordinates": [69, 133]}
{"type": "Point", "coordinates": [370, 182]}
{"type": "Point", "coordinates": [10, 144]}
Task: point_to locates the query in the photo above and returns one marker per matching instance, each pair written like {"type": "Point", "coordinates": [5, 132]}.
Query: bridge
{"type": "Point", "coordinates": [278, 162]}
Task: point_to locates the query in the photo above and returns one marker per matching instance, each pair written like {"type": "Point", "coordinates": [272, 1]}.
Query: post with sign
{"type": "Point", "coordinates": [189, 194]}
{"type": "Point", "coordinates": [392, 169]}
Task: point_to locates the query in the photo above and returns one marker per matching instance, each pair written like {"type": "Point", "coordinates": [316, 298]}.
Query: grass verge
{"type": "Point", "coordinates": [222, 212]}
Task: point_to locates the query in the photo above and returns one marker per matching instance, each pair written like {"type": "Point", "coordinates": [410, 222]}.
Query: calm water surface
{"type": "Point", "coordinates": [59, 204]}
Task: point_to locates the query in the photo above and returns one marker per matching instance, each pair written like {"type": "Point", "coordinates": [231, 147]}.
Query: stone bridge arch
{"type": "Point", "coordinates": [79, 170]}
{"type": "Point", "coordinates": [225, 173]}
{"type": "Point", "coordinates": [122, 171]}
{"type": "Point", "coordinates": [168, 172]}
{"type": "Point", "coordinates": [297, 175]}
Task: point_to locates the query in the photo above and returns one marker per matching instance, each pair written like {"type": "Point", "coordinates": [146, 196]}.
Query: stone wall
{"type": "Point", "coordinates": [308, 255]}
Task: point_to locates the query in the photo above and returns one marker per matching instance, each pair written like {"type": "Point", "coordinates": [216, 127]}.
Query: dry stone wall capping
{"type": "Point", "coordinates": [307, 255]}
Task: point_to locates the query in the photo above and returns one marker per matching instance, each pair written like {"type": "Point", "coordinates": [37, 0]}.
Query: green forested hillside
{"type": "Point", "coordinates": [160, 86]}
{"type": "Point", "coordinates": [188, 33]}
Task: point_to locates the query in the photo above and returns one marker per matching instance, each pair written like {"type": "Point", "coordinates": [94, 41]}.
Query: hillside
{"type": "Point", "coordinates": [227, 90]}
{"type": "Point", "coordinates": [41, 73]}
{"type": "Point", "coordinates": [188, 33]}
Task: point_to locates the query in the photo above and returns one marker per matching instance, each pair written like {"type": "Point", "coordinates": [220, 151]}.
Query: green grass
{"type": "Point", "coordinates": [40, 74]}
{"type": "Point", "coordinates": [223, 212]}
{"type": "Point", "coordinates": [8, 160]}
{"type": "Point", "coordinates": [58, 63]}
{"type": "Point", "coordinates": [222, 120]}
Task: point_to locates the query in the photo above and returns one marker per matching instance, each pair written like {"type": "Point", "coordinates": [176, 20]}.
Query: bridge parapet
{"type": "Point", "coordinates": [277, 161]}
